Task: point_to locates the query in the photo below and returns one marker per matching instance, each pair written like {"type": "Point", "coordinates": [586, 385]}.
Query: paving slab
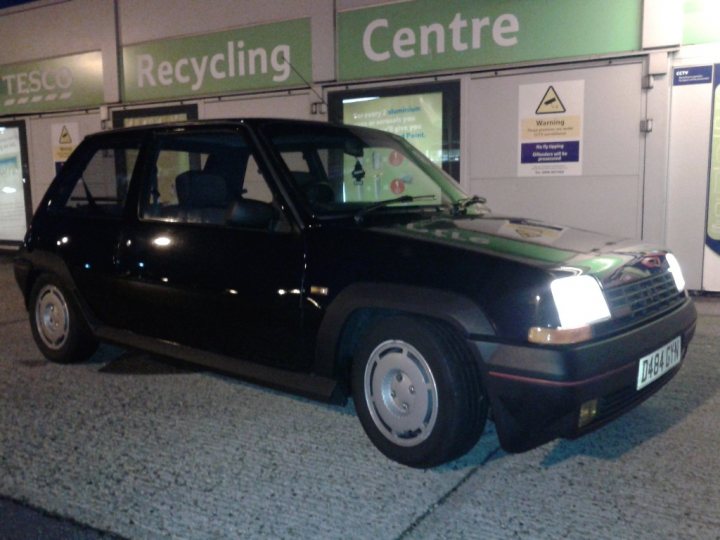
{"type": "Point", "coordinates": [144, 447]}
{"type": "Point", "coordinates": [651, 474]}
{"type": "Point", "coordinates": [147, 448]}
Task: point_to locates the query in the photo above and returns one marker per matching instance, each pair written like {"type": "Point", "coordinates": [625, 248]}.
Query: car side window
{"type": "Point", "coordinates": [309, 171]}
{"type": "Point", "coordinates": [255, 187]}
{"type": "Point", "coordinates": [207, 178]}
{"type": "Point", "coordinates": [99, 185]}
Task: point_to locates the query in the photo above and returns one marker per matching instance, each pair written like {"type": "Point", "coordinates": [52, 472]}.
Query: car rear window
{"type": "Point", "coordinates": [98, 185]}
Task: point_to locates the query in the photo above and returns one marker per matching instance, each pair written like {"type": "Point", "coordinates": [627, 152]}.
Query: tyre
{"type": "Point", "coordinates": [417, 392]}
{"type": "Point", "coordinates": [58, 327]}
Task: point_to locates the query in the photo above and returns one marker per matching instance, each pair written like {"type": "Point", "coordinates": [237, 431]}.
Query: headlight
{"type": "Point", "coordinates": [676, 271]}
{"type": "Point", "coordinates": [579, 301]}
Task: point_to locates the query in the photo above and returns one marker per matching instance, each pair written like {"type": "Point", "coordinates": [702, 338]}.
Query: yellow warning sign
{"type": "Point", "coordinates": [65, 137]}
{"type": "Point", "coordinates": [550, 103]}
{"type": "Point", "coordinates": [559, 128]}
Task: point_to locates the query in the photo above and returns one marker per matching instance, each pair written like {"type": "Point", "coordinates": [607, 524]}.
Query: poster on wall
{"type": "Point", "coordinates": [65, 137]}
{"type": "Point", "coordinates": [12, 196]}
{"type": "Point", "coordinates": [711, 260]}
{"type": "Point", "coordinates": [425, 115]}
{"type": "Point", "coordinates": [416, 118]}
{"type": "Point", "coordinates": [550, 128]}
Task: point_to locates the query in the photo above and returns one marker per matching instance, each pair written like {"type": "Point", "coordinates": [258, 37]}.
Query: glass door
{"type": "Point", "coordinates": [15, 203]}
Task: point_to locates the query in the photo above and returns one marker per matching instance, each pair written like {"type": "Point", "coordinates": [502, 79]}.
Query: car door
{"type": "Point", "coordinates": [86, 206]}
{"type": "Point", "coordinates": [211, 261]}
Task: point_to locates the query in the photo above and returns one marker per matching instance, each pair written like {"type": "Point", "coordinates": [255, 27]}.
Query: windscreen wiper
{"type": "Point", "coordinates": [461, 206]}
{"type": "Point", "coordinates": [360, 214]}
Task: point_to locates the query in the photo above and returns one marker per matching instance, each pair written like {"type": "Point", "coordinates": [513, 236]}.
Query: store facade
{"type": "Point", "coordinates": [575, 113]}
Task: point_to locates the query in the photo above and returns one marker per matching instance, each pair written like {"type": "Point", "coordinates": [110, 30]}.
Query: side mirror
{"type": "Point", "coordinates": [251, 213]}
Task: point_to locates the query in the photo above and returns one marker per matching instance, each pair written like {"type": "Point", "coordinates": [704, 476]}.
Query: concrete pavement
{"type": "Point", "coordinates": [147, 448]}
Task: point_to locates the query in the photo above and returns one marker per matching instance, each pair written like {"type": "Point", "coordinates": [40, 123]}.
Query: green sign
{"type": "Point", "coordinates": [256, 57]}
{"type": "Point", "coordinates": [426, 35]}
{"type": "Point", "coordinates": [700, 22]}
{"type": "Point", "coordinates": [50, 85]}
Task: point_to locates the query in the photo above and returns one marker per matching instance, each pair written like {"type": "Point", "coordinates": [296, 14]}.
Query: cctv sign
{"type": "Point", "coordinates": [692, 75]}
{"type": "Point", "coordinates": [49, 85]}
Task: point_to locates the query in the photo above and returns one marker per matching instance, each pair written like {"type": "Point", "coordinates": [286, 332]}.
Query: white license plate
{"type": "Point", "coordinates": [656, 364]}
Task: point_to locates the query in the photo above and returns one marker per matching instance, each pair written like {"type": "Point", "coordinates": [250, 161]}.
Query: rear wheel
{"type": "Point", "coordinates": [417, 392]}
{"type": "Point", "coordinates": [59, 330]}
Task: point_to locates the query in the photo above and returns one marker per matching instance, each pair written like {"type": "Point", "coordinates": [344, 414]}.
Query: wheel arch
{"type": "Point", "coordinates": [29, 266]}
{"type": "Point", "coordinates": [360, 305]}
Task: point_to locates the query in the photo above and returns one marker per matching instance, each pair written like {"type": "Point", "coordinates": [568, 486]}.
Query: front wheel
{"type": "Point", "coordinates": [417, 392]}
{"type": "Point", "coordinates": [59, 330]}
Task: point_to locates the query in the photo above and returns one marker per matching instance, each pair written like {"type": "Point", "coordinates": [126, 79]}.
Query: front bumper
{"type": "Point", "coordinates": [536, 392]}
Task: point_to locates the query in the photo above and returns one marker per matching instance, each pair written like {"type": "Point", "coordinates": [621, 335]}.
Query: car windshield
{"type": "Point", "coordinates": [344, 169]}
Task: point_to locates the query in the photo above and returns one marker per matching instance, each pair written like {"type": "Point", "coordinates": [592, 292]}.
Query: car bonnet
{"type": "Point", "coordinates": [564, 249]}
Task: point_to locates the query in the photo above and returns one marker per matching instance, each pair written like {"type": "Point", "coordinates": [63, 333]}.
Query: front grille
{"type": "Point", "coordinates": [612, 405]}
{"type": "Point", "coordinates": [644, 298]}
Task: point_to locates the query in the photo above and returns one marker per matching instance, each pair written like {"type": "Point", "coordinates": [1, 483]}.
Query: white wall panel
{"type": "Point", "coordinates": [688, 173]}
{"type": "Point", "coordinates": [608, 195]}
{"type": "Point", "coordinates": [63, 29]}
{"type": "Point", "coordinates": [296, 105]}
{"type": "Point", "coordinates": [56, 30]}
{"type": "Point", "coordinates": [662, 23]}
{"type": "Point", "coordinates": [689, 157]}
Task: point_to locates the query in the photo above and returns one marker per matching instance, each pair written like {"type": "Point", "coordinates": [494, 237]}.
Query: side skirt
{"type": "Point", "coordinates": [303, 384]}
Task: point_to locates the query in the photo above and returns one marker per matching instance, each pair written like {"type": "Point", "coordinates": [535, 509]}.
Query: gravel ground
{"type": "Point", "coordinates": [143, 447]}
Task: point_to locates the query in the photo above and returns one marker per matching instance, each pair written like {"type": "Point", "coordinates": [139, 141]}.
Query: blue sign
{"type": "Point", "coordinates": [692, 75]}
{"type": "Point", "coordinates": [550, 152]}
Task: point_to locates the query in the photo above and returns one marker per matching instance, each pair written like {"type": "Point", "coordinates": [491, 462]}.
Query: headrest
{"type": "Point", "coordinates": [196, 189]}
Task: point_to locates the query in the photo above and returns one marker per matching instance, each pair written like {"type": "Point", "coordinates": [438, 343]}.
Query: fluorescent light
{"type": "Point", "coordinates": [359, 99]}
{"type": "Point", "coordinates": [8, 190]}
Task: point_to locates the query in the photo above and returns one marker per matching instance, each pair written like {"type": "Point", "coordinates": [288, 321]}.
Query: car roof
{"type": "Point", "coordinates": [190, 124]}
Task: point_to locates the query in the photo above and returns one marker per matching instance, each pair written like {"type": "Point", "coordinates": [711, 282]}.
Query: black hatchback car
{"type": "Point", "coordinates": [337, 261]}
